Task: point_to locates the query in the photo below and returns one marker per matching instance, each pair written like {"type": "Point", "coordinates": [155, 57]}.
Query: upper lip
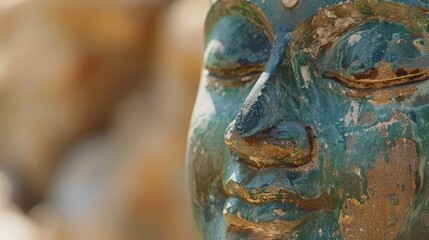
{"type": "Point", "coordinates": [267, 193]}
{"type": "Point", "coordinates": [241, 183]}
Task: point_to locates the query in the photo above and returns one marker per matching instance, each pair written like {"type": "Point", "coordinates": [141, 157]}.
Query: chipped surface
{"type": "Point", "coordinates": [389, 196]}
{"type": "Point", "coordinates": [289, 3]}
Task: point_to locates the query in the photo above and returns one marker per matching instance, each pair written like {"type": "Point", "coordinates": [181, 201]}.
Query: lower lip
{"type": "Point", "coordinates": [274, 218]}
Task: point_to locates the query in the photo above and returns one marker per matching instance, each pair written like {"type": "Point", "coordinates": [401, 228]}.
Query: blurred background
{"type": "Point", "coordinates": [95, 100]}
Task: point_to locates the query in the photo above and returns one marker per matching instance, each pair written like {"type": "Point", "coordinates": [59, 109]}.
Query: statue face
{"type": "Point", "coordinates": [311, 121]}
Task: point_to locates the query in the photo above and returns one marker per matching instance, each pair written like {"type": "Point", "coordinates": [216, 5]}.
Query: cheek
{"type": "Point", "coordinates": [205, 143]}
{"type": "Point", "coordinates": [214, 110]}
{"type": "Point", "coordinates": [205, 158]}
{"type": "Point", "coordinates": [374, 162]}
{"type": "Point", "coordinates": [391, 187]}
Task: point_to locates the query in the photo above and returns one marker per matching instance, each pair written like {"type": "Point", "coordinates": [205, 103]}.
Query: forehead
{"type": "Point", "coordinates": [285, 20]}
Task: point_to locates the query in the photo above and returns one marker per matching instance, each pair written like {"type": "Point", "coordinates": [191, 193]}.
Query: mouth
{"type": "Point", "coordinates": [268, 219]}
{"type": "Point", "coordinates": [272, 199]}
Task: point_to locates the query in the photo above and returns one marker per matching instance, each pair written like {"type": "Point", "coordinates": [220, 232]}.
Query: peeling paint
{"type": "Point", "coordinates": [315, 128]}
{"type": "Point", "coordinates": [305, 76]}
{"type": "Point", "coordinates": [352, 114]}
{"type": "Point", "coordinates": [355, 38]}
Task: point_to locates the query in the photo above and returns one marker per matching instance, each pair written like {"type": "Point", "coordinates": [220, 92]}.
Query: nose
{"type": "Point", "coordinates": [260, 134]}
{"type": "Point", "coordinates": [284, 144]}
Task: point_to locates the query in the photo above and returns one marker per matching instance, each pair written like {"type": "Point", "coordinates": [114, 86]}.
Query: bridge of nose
{"type": "Point", "coordinates": [260, 131]}
{"type": "Point", "coordinates": [262, 107]}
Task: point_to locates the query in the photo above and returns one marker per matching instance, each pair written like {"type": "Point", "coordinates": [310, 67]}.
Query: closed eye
{"type": "Point", "coordinates": [377, 83]}
{"type": "Point", "coordinates": [238, 43]}
{"type": "Point", "coordinates": [378, 55]}
{"type": "Point", "coordinates": [384, 45]}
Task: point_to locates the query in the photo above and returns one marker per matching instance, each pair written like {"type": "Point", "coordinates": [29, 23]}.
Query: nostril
{"type": "Point", "coordinates": [286, 143]}
{"type": "Point", "coordinates": [289, 132]}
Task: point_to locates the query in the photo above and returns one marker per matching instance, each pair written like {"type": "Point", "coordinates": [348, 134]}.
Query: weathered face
{"type": "Point", "coordinates": [312, 121]}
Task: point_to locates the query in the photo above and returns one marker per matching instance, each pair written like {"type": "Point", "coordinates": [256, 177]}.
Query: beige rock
{"type": "Point", "coordinates": [14, 225]}
{"type": "Point", "coordinates": [138, 163]}
{"type": "Point", "coordinates": [64, 65]}
{"type": "Point", "coordinates": [82, 120]}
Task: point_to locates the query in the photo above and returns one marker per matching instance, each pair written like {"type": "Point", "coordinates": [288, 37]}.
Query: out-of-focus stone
{"type": "Point", "coordinates": [128, 182]}
{"type": "Point", "coordinates": [14, 225]}
{"type": "Point", "coordinates": [64, 65]}
{"type": "Point", "coordinates": [183, 39]}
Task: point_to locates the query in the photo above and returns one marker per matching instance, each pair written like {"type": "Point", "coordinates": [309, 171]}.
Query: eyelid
{"type": "Point", "coordinates": [236, 71]}
{"type": "Point", "coordinates": [245, 38]}
{"type": "Point", "coordinates": [376, 83]}
{"type": "Point", "coordinates": [216, 80]}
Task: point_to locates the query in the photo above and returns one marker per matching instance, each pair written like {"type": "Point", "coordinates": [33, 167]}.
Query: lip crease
{"type": "Point", "coordinates": [270, 219]}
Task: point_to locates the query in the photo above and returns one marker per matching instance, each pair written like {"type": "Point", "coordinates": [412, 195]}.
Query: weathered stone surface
{"type": "Point", "coordinates": [311, 121]}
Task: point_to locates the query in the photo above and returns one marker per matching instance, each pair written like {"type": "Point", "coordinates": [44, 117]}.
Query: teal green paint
{"type": "Point", "coordinates": [292, 91]}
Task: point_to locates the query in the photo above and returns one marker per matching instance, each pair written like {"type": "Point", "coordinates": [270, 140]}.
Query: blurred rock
{"type": "Point", "coordinates": [128, 182]}
{"type": "Point", "coordinates": [64, 65]}
{"type": "Point", "coordinates": [95, 99]}
{"type": "Point", "coordinates": [14, 225]}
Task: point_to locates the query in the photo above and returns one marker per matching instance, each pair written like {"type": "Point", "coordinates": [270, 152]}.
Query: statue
{"type": "Point", "coordinates": [312, 121]}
